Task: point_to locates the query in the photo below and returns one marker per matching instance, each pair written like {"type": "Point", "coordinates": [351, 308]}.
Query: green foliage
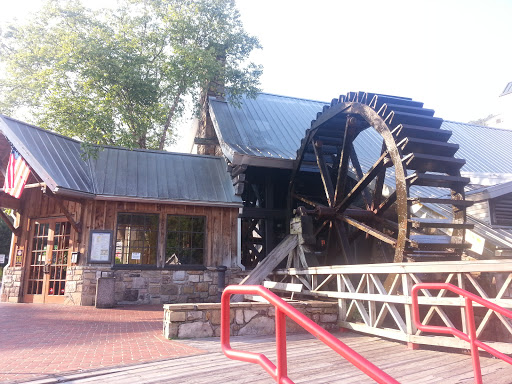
{"type": "Point", "coordinates": [483, 121]}
{"type": "Point", "coordinates": [121, 76]}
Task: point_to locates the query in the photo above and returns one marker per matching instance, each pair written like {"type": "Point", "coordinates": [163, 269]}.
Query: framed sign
{"type": "Point", "coordinates": [100, 247]}
{"type": "Point", "coordinates": [2, 258]}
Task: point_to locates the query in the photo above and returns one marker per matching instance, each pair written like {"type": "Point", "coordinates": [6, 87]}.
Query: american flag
{"type": "Point", "coordinates": [17, 174]}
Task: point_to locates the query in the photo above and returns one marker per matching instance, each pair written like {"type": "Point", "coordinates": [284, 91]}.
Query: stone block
{"type": "Point", "coordinates": [239, 316]}
{"type": "Point", "coordinates": [258, 326]}
{"type": "Point", "coordinates": [71, 286]}
{"type": "Point", "coordinates": [179, 275]}
{"type": "Point", "coordinates": [249, 314]}
{"type": "Point", "coordinates": [202, 287]}
{"type": "Point", "coordinates": [169, 289]}
{"type": "Point", "coordinates": [154, 289]}
{"type": "Point", "coordinates": [187, 290]}
{"type": "Point", "coordinates": [139, 283]}
{"type": "Point", "coordinates": [194, 315]}
{"type": "Point", "coordinates": [193, 278]}
{"type": "Point", "coordinates": [212, 290]}
{"type": "Point", "coordinates": [328, 318]}
{"type": "Point", "coordinates": [213, 316]}
{"type": "Point", "coordinates": [130, 295]}
{"type": "Point", "coordinates": [207, 277]}
{"type": "Point", "coordinates": [170, 330]}
{"type": "Point", "coordinates": [194, 330]}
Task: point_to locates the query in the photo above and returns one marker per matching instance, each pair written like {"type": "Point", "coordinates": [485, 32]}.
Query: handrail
{"type": "Point", "coordinates": [470, 337]}
{"type": "Point", "coordinates": [283, 309]}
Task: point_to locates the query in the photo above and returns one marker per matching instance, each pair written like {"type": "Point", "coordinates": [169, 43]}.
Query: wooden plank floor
{"type": "Point", "coordinates": [309, 361]}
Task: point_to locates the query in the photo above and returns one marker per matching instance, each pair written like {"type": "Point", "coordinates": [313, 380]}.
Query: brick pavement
{"type": "Point", "coordinates": [38, 340]}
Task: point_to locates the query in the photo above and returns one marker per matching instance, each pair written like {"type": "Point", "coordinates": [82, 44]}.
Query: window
{"type": "Point", "coordinates": [136, 238]}
{"type": "Point", "coordinates": [185, 240]}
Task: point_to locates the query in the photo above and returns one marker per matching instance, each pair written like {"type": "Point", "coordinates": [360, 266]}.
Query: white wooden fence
{"type": "Point", "coordinates": [375, 298]}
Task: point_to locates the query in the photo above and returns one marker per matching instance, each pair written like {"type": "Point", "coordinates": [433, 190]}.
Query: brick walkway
{"type": "Point", "coordinates": [39, 340]}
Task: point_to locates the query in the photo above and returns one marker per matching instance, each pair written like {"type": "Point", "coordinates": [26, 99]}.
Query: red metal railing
{"type": "Point", "coordinates": [283, 309]}
{"type": "Point", "coordinates": [470, 337]}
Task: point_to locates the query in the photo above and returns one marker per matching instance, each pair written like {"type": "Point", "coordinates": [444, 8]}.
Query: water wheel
{"type": "Point", "coordinates": [365, 165]}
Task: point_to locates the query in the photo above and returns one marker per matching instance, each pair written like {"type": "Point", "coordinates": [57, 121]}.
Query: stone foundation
{"type": "Point", "coordinates": [131, 286]}
{"type": "Point", "coordinates": [143, 286]}
{"type": "Point", "coordinates": [183, 321]}
{"type": "Point", "coordinates": [11, 290]}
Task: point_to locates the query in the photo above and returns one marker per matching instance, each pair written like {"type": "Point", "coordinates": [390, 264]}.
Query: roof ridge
{"type": "Point", "coordinates": [292, 97]}
{"type": "Point", "coordinates": [477, 125]}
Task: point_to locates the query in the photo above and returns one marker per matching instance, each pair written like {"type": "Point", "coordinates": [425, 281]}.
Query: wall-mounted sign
{"type": "Point", "coordinates": [100, 247]}
{"type": "Point", "coordinates": [135, 255]}
{"type": "Point", "coordinates": [2, 258]}
{"type": "Point", "coordinates": [19, 257]}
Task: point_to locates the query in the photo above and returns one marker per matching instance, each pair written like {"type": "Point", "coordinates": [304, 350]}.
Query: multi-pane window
{"type": "Point", "coordinates": [185, 240]}
{"type": "Point", "coordinates": [136, 238]}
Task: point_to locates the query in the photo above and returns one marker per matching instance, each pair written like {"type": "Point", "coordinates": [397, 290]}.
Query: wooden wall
{"type": "Point", "coordinates": [221, 222]}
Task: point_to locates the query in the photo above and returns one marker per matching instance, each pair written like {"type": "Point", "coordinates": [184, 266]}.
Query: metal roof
{"type": "Point", "coordinates": [272, 127]}
{"type": "Point", "coordinates": [507, 90]}
{"type": "Point", "coordinates": [119, 173]}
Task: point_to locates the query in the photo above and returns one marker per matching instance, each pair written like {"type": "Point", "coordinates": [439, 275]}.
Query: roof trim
{"type": "Point", "coordinates": [258, 161]}
{"type": "Point", "coordinates": [25, 153]}
{"type": "Point", "coordinates": [490, 192]}
{"type": "Point", "coordinates": [168, 201]}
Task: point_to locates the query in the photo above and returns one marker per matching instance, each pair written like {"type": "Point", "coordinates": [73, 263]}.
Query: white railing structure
{"type": "Point", "coordinates": [375, 298]}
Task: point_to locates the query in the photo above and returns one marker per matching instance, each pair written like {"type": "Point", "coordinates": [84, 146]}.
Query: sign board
{"type": "Point", "coordinates": [135, 255]}
{"type": "Point", "coordinates": [477, 242]}
{"type": "Point", "coordinates": [2, 258]}
{"type": "Point", "coordinates": [100, 247]}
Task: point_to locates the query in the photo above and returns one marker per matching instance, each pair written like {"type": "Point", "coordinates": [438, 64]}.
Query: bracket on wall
{"type": "Point", "coordinates": [77, 226]}
{"type": "Point", "coordinates": [5, 218]}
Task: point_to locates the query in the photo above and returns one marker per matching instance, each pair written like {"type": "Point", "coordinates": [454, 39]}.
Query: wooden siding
{"type": "Point", "coordinates": [221, 223]}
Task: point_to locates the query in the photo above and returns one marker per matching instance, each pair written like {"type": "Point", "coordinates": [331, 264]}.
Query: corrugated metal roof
{"type": "Point", "coordinates": [507, 90]}
{"type": "Point", "coordinates": [119, 172]}
{"type": "Point", "coordinates": [159, 175]}
{"type": "Point", "coordinates": [53, 157]}
{"type": "Point", "coordinates": [272, 126]}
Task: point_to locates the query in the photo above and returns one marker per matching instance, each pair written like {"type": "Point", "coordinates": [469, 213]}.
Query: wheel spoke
{"type": "Point", "coordinates": [343, 163]}
{"type": "Point", "coordinates": [308, 201]}
{"type": "Point", "coordinates": [384, 206]}
{"type": "Point", "coordinates": [341, 236]}
{"type": "Point", "coordinates": [359, 172]}
{"type": "Point", "coordinates": [369, 230]}
{"type": "Point", "coordinates": [363, 183]}
{"type": "Point", "coordinates": [324, 172]}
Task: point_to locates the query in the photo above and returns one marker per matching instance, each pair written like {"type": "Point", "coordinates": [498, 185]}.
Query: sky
{"type": "Point", "coordinates": [453, 55]}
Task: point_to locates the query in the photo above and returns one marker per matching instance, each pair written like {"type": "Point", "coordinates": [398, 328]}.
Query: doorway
{"type": "Point", "coordinates": [47, 261]}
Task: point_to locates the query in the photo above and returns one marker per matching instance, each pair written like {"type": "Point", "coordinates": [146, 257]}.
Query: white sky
{"type": "Point", "coordinates": [453, 55]}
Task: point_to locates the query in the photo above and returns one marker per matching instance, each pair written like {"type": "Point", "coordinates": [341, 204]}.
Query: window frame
{"type": "Point", "coordinates": [204, 248]}
{"type": "Point", "coordinates": [137, 266]}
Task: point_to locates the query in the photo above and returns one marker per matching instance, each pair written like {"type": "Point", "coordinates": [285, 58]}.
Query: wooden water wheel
{"type": "Point", "coordinates": [367, 162]}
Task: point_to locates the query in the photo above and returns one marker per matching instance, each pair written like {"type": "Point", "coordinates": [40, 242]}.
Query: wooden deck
{"type": "Point", "coordinates": [309, 361]}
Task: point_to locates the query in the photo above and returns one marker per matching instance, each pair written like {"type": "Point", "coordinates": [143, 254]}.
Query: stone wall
{"type": "Point", "coordinates": [182, 321]}
{"type": "Point", "coordinates": [131, 286]}
{"type": "Point", "coordinates": [143, 286]}
{"type": "Point", "coordinates": [11, 289]}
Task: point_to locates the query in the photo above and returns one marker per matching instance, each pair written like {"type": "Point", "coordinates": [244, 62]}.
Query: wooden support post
{"type": "Point", "coordinates": [8, 223]}
{"type": "Point", "coordinates": [460, 280]}
{"type": "Point", "coordinates": [411, 328]}
{"type": "Point", "coordinates": [342, 303]}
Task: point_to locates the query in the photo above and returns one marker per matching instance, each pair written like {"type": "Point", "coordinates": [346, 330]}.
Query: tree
{"type": "Point", "coordinates": [483, 121]}
{"type": "Point", "coordinates": [121, 76]}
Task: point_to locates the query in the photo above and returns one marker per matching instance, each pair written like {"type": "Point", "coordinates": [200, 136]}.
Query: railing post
{"type": "Point", "coordinates": [342, 303]}
{"type": "Point", "coordinates": [470, 323]}
{"type": "Point", "coordinates": [281, 366]}
{"type": "Point", "coordinates": [411, 328]}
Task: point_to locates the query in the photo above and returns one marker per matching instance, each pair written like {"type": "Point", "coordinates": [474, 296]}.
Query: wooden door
{"type": "Point", "coordinates": [47, 261]}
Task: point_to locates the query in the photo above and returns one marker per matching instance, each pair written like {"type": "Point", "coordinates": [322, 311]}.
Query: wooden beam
{"type": "Point", "coordinates": [272, 260]}
{"type": "Point", "coordinates": [8, 223]}
{"type": "Point", "coordinates": [206, 141]}
{"type": "Point", "coordinates": [76, 226]}
{"type": "Point", "coordinates": [7, 201]}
